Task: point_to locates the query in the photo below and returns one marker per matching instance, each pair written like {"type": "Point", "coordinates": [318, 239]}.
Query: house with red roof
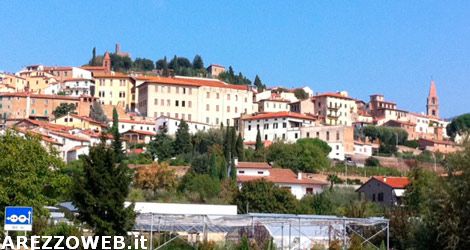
{"type": "Point", "coordinates": [384, 190]}
{"type": "Point", "coordinates": [298, 184]}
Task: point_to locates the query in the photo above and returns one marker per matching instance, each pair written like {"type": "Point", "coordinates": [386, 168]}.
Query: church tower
{"type": "Point", "coordinates": [432, 105]}
{"type": "Point", "coordinates": [107, 62]}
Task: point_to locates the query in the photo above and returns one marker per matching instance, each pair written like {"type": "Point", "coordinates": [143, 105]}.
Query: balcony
{"type": "Point", "coordinates": [334, 108]}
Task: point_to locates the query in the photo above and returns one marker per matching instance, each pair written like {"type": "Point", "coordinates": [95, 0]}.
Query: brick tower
{"type": "Point", "coordinates": [432, 105]}
{"type": "Point", "coordinates": [107, 62]}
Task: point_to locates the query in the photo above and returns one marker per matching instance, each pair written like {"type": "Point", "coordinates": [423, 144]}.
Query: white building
{"type": "Point", "coordinates": [299, 185]}
{"type": "Point", "coordinates": [362, 148]}
{"type": "Point", "coordinates": [171, 125]}
{"type": "Point", "coordinates": [135, 124]}
{"type": "Point", "coordinates": [273, 126]}
{"type": "Point", "coordinates": [79, 86]}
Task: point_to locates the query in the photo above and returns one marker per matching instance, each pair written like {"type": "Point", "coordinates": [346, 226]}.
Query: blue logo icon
{"type": "Point", "coordinates": [18, 218]}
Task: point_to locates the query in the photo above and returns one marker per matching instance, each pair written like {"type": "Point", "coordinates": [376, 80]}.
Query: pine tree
{"type": "Point", "coordinates": [239, 148]}
{"type": "Point", "coordinates": [117, 143]}
{"type": "Point", "coordinates": [182, 144]}
{"type": "Point", "coordinates": [99, 194]}
{"type": "Point", "coordinates": [233, 171]}
{"type": "Point", "coordinates": [259, 144]}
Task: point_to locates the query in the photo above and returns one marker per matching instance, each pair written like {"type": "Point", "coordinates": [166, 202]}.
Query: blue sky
{"type": "Point", "coordinates": [364, 47]}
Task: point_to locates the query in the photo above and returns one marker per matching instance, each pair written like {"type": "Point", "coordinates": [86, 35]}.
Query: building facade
{"type": "Point", "coordinates": [200, 100]}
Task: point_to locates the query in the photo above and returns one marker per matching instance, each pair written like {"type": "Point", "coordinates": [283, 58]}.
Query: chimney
{"type": "Point", "coordinates": [299, 176]}
{"type": "Point", "coordinates": [235, 161]}
{"type": "Point", "coordinates": [385, 179]}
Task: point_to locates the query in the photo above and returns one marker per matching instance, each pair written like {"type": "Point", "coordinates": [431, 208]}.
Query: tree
{"type": "Point", "coordinates": [258, 84]}
{"type": "Point", "coordinates": [306, 155]}
{"type": "Point", "coordinates": [30, 176]}
{"type": "Point", "coordinates": [99, 194]}
{"type": "Point", "coordinates": [228, 143]}
{"type": "Point", "coordinates": [97, 113]}
{"type": "Point", "coordinates": [120, 63]}
{"type": "Point", "coordinates": [182, 143]}
{"type": "Point", "coordinates": [162, 146]}
{"type": "Point", "coordinates": [155, 177]}
{"type": "Point", "coordinates": [143, 64]}
{"type": "Point", "coordinates": [213, 168]}
{"type": "Point", "coordinates": [201, 187]}
{"type": "Point", "coordinates": [259, 144]}
{"type": "Point", "coordinates": [63, 109]}
{"type": "Point", "coordinates": [117, 143]}
{"type": "Point", "coordinates": [239, 148]}
{"type": "Point", "coordinates": [300, 94]}
{"type": "Point", "coordinates": [459, 126]}
{"type": "Point", "coordinates": [93, 57]}
{"type": "Point", "coordinates": [198, 63]}
{"type": "Point", "coordinates": [261, 196]}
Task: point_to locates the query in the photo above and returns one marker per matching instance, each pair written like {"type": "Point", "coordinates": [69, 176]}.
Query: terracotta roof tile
{"type": "Point", "coordinates": [256, 165]}
{"type": "Point", "coordinates": [394, 182]}
{"type": "Point", "coordinates": [282, 175]}
{"type": "Point", "coordinates": [282, 114]}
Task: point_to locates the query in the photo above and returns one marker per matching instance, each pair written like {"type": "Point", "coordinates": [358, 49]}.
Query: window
{"type": "Point", "coordinates": [373, 197]}
{"type": "Point", "coordinates": [216, 120]}
{"type": "Point", "coordinates": [189, 117]}
{"type": "Point", "coordinates": [183, 103]}
{"type": "Point", "coordinates": [228, 108]}
{"type": "Point", "coordinates": [184, 90]}
{"type": "Point", "coordinates": [168, 102]}
{"type": "Point", "coordinates": [284, 125]}
{"type": "Point", "coordinates": [265, 137]}
{"type": "Point", "coordinates": [283, 136]}
{"type": "Point", "coordinates": [327, 135]}
{"type": "Point", "coordinates": [207, 119]}
{"type": "Point", "coordinates": [275, 125]}
{"type": "Point", "coordinates": [207, 107]}
{"type": "Point", "coordinates": [162, 102]}
{"type": "Point", "coordinates": [296, 135]}
{"type": "Point", "coordinates": [208, 95]}
{"type": "Point", "coordinates": [249, 127]}
{"type": "Point", "coordinates": [236, 110]}
{"type": "Point", "coordinates": [156, 88]}
{"type": "Point", "coordinates": [190, 104]}
{"type": "Point", "coordinates": [156, 101]}
{"type": "Point", "coordinates": [176, 115]}
{"type": "Point", "coordinates": [228, 97]}
{"type": "Point", "coordinates": [169, 89]}
{"type": "Point", "coordinates": [217, 95]}
{"type": "Point", "coordinates": [177, 90]}
{"type": "Point", "coordinates": [260, 172]}
{"type": "Point", "coordinates": [380, 197]}
{"type": "Point", "coordinates": [177, 103]}
{"type": "Point", "coordinates": [241, 171]}
{"type": "Point", "coordinates": [337, 136]}
{"type": "Point", "coordinates": [217, 108]}
{"type": "Point", "coordinates": [309, 190]}
{"type": "Point", "coordinates": [266, 126]}
{"type": "Point", "coordinates": [308, 134]}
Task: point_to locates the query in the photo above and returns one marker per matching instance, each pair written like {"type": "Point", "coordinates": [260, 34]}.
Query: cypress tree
{"type": "Point", "coordinates": [239, 148]}
{"type": "Point", "coordinates": [213, 168]}
{"type": "Point", "coordinates": [233, 140]}
{"type": "Point", "coordinates": [228, 144]}
{"type": "Point", "coordinates": [259, 144]}
{"type": "Point", "coordinates": [182, 144]}
{"type": "Point", "coordinates": [117, 143]}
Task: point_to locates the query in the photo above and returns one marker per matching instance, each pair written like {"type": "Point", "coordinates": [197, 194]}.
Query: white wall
{"type": "Point", "coordinates": [252, 172]}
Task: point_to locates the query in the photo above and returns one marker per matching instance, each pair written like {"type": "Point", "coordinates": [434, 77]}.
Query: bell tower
{"type": "Point", "coordinates": [432, 106]}
{"type": "Point", "coordinates": [107, 62]}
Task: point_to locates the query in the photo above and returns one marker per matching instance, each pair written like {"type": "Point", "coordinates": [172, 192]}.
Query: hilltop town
{"type": "Point", "coordinates": [193, 134]}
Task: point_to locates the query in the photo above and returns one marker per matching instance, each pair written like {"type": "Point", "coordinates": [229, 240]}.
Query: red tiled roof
{"type": "Point", "coordinates": [26, 94]}
{"type": "Point", "coordinates": [94, 68]}
{"type": "Point", "coordinates": [256, 165]}
{"type": "Point", "coordinates": [137, 121]}
{"type": "Point", "coordinates": [196, 82]}
{"type": "Point", "coordinates": [142, 132]}
{"type": "Point", "coordinates": [281, 114]}
{"type": "Point", "coordinates": [44, 137]}
{"type": "Point", "coordinates": [69, 136]}
{"type": "Point", "coordinates": [109, 75]}
{"type": "Point", "coordinates": [88, 119]}
{"type": "Point", "coordinates": [394, 182]}
{"type": "Point", "coordinates": [437, 141]}
{"type": "Point", "coordinates": [57, 68]}
{"type": "Point", "coordinates": [94, 134]}
{"type": "Point", "coordinates": [48, 125]}
{"type": "Point", "coordinates": [282, 175]}
{"type": "Point", "coordinates": [77, 79]}
{"type": "Point", "coordinates": [335, 95]}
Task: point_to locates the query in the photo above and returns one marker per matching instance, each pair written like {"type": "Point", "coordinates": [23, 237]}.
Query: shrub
{"type": "Point", "coordinates": [411, 143]}
{"type": "Point", "coordinates": [372, 162]}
